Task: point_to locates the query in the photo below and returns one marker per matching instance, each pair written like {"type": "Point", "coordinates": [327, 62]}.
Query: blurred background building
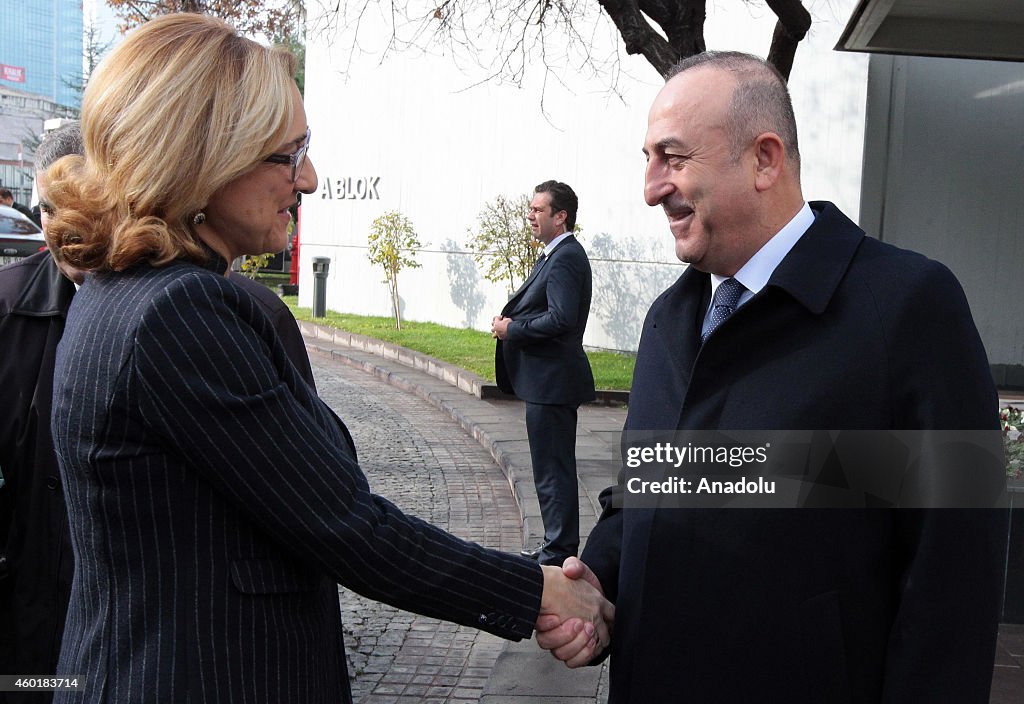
{"type": "Point", "coordinates": [40, 79]}
{"type": "Point", "coordinates": [41, 51]}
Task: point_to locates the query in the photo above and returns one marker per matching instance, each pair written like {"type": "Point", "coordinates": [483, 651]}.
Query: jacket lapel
{"type": "Point", "coordinates": [812, 270]}
{"type": "Point", "coordinates": [676, 323]}
{"type": "Point", "coordinates": [535, 273]}
{"type": "Point", "coordinates": [526, 284]}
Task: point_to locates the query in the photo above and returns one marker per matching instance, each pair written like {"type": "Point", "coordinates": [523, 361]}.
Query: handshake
{"type": "Point", "coordinates": [575, 620]}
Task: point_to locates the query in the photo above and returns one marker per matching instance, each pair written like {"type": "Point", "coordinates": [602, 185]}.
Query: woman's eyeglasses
{"type": "Point", "coordinates": [296, 158]}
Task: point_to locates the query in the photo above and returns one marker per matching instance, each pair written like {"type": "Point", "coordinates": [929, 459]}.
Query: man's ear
{"type": "Point", "coordinates": [770, 154]}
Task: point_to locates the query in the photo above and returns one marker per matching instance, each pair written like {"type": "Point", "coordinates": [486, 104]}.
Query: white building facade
{"type": "Point", "coordinates": [411, 132]}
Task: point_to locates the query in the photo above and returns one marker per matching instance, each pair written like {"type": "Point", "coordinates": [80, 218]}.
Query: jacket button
{"type": "Point", "coordinates": [52, 482]}
{"type": "Point", "coordinates": [483, 618]}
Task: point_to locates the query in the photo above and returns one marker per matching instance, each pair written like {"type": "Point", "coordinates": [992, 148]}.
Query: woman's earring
{"type": "Point", "coordinates": [199, 218]}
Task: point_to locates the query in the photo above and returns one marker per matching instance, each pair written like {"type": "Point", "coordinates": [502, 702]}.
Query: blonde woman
{"type": "Point", "coordinates": [214, 500]}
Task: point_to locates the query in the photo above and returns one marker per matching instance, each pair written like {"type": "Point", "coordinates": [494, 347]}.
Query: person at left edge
{"type": "Point", "coordinates": [35, 548]}
{"type": "Point", "coordinates": [210, 492]}
{"type": "Point", "coordinates": [35, 551]}
{"type": "Point", "coordinates": [7, 198]}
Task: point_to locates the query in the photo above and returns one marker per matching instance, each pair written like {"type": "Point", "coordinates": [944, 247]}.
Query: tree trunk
{"type": "Point", "coordinates": [682, 22]}
{"type": "Point", "coordinates": [639, 36]}
{"type": "Point", "coordinates": [395, 307]}
{"type": "Point", "coordinates": [794, 21]}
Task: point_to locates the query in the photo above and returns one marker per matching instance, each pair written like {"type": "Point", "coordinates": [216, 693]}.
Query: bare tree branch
{"type": "Point", "coordinates": [274, 18]}
{"type": "Point", "coordinates": [501, 36]}
{"type": "Point", "coordinates": [638, 35]}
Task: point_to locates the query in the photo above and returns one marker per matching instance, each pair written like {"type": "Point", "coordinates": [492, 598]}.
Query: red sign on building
{"type": "Point", "coordinates": [15, 74]}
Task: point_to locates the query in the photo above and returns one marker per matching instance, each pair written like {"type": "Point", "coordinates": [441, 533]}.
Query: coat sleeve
{"type": "Point", "coordinates": [604, 544]}
{"type": "Point", "coordinates": [944, 632]}
{"type": "Point", "coordinates": [211, 392]}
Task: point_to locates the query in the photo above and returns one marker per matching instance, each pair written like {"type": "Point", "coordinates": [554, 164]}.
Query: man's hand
{"type": "Point", "coordinates": [499, 327]}
{"type": "Point", "coordinates": [578, 630]}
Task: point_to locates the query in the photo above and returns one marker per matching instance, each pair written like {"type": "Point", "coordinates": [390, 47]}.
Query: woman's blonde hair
{"type": "Point", "coordinates": [182, 107]}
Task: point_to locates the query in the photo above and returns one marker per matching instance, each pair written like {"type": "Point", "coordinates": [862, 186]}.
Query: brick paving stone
{"type": "Point", "coordinates": [417, 457]}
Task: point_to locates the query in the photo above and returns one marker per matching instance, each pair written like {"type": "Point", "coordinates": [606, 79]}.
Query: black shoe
{"type": "Point", "coordinates": [554, 560]}
{"type": "Point", "coordinates": [533, 553]}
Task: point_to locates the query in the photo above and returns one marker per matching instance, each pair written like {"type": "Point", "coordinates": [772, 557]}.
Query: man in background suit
{"type": "Point", "coordinates": [790, 318]}
{"type": "Point", "coordinates": [539, 357]}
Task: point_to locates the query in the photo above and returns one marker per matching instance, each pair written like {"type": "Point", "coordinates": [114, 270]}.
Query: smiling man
{"type": "Point", "coordinates": [790, 318]}
{"type": "Point", "coordinates": [539, 357]}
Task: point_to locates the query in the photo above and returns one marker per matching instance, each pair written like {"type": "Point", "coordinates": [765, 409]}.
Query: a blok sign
{"type": "Point", "coordinates": [350, 188]}
{"type": "Point", "coordinates": [15, 74]}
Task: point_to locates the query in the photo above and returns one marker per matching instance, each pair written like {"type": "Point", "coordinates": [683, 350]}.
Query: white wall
{"type": "Point", "coordinates": [947, 179]}
{"type": "Point", "coordinates": [437, 150]}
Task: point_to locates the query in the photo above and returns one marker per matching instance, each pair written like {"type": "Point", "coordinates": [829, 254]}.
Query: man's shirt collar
{"type": "Point", "coordinates": [550, 246]}
{"type": "Point", "coordinates": [759, 268]}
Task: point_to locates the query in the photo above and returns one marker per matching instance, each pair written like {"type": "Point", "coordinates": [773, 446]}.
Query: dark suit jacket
{"type": "Point", "coordinates": [212, 494]}
{"type": "Point", "coordinates": [808, 605]}
{"type": "Point", "coordinates": [35, 552]}
{"type": "Point", "coordinates": [542, 360]}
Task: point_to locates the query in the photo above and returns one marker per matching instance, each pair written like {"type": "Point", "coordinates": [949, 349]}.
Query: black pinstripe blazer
{"type": "Point", "coordinates": [211, 493]}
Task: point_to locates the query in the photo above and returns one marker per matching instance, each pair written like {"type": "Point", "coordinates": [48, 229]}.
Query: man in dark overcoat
{"type": "Point", "coordinates": [789, 318]}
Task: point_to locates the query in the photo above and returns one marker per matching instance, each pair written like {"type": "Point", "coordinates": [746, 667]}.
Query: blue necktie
{"type": "Point", "coordinates": [726, 297]}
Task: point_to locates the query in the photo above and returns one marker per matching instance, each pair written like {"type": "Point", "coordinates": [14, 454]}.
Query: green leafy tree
{"type": "Point", "coordinates": [393, 244]}
{"type": "Point", "coordinates": [252, 264]}
{"type": "Point", "coordinates": [503, 243]}
{"type": "Point", "coordinates": [295, 44]}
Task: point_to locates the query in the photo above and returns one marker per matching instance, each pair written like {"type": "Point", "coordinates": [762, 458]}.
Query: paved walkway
{"type": "Point", "coordinates": [448, 663]}
{"type": "Point", "coordinates": [416, 456]}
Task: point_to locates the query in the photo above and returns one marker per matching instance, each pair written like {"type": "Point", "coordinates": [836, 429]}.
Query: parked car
{"type": "Point", "coordinates": [19, 236]}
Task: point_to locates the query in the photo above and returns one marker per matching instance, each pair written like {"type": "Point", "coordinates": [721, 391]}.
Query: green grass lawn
{"type": "Point", "coordinates": [272, 278]}
{"type": "Point", "coordinates": [469, 349]}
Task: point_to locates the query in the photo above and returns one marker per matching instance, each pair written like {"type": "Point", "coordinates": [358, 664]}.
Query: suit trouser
{"type": "Point", "coordinates": [551, 430]}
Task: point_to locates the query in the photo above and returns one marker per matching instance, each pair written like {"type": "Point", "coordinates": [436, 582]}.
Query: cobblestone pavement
{"type": "Point", "coordinates": [418, 458]}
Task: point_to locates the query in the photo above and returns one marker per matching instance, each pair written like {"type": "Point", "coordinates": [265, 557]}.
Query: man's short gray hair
{"type": "Point", "coordinates": [66, 139]}
{"type": "Point", "coordinates": [760, 103]}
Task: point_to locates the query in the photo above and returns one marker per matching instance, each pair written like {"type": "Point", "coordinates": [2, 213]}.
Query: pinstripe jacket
{"type": "Point", "coordinates": [211, 494]}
